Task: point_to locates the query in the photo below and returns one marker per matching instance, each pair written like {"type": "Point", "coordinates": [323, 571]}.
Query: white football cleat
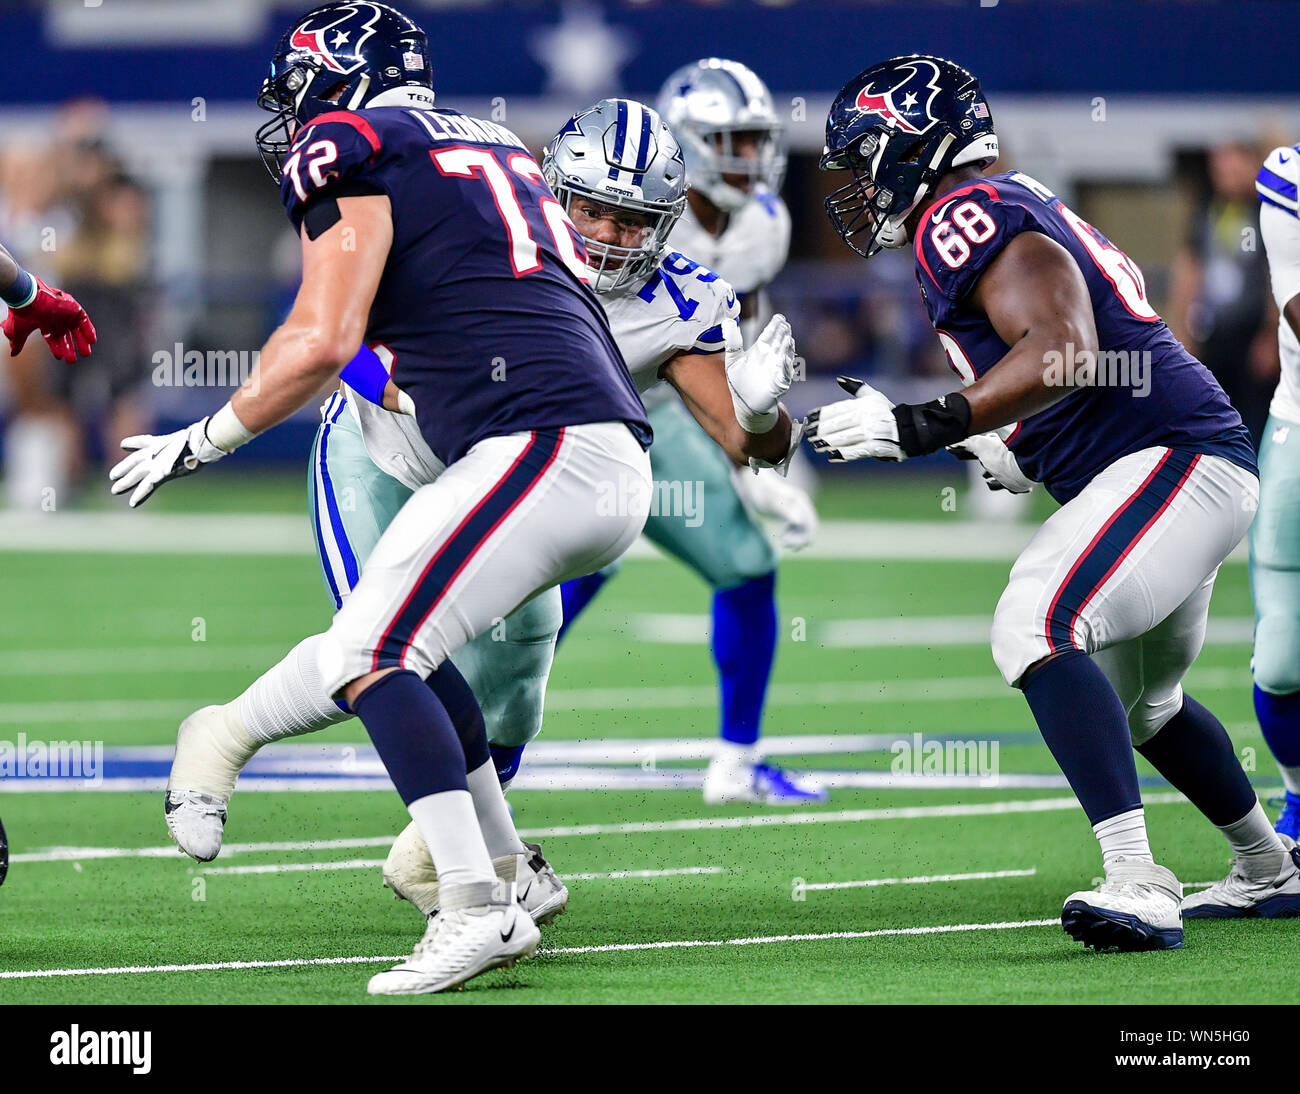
{"type": "Point", "coordinates": [541, 893]}
{"type": "Point", "coordinates": [212, 748]}
{"type": "Point", "coordinates": [478, 928]}
{"type": "Point", "coordinates": [726, 781]}
{"type": "Point", "coordinates": [1240, 897]}
{"type": "Point", "coordinates": [410, 873]}
{"type": "Point", "coordinates": [1136, 908]}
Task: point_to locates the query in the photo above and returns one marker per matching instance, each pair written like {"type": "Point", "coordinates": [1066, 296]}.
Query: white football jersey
{"type": "Point", "coordinates": [752, 248]}
{"type": "Point", "coordinates": [1279, 222]}
{"type": "Point", "coordinates": [394, 442]}
{"type": "Point", "coordinates": [679, 309]}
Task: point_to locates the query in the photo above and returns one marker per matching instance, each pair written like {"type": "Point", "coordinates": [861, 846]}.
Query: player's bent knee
{"type": "Point", "coordinates": [1151, 714]}
{"type": "Point", "coordinates": [1016, 642]}
{"type": "Point", "coordinates": [353, 691]}
{"type": "Point", "coordinates": [1276, 659]}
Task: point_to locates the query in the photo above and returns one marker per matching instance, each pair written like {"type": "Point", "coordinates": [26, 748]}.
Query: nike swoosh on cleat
{"type": "Point", "coordinates": [508, 935]}
{"type": "Point", "coordinates": [527, 889]}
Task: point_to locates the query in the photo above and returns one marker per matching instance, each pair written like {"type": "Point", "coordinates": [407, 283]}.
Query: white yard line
{"type": "Point", "coordinates": [925, 879]}
{"type": "Point", "coordinates": [294, 867]}
{"type": "Point", "coordinates": [878, 633]}
{"type": "Point", "coordinates": [290, 534]}
{"type": "Point", "coordinates": [618, 947]}
{"type": "Point", "coordinates": [620, 875]}
{"type": "Point", "coordinates": [688, 824]}
{"type": "Point", "coordinates": [368, 864]}
{"type": "Point", "coordinates": [182, 656]}
{"type": "Point", "coordinates": [821, 693]}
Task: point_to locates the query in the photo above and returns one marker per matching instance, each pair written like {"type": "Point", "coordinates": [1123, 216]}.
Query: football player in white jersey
{"type": "Point", "coordinates": [672, 319]}
{"type": "Point", "coordinates": [1275, 535]}
{"type": "Point", "coordinates": [736, 225]}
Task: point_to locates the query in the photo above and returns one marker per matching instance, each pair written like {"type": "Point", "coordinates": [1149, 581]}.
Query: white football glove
{"type": "Point", "coordinates": [1001, 471]}
{"type": "Point", "coordinates": [771, 495]}
{"type": "Point", "coordinates": [852, 429]}
{"type": "Point", "coordinates": [760, 375]}
{"type": "Point", "coordinates": [156, 460]}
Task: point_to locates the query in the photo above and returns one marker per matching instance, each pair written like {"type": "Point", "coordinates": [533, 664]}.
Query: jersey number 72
{"type": "Point", "coordinates": [468, 162]}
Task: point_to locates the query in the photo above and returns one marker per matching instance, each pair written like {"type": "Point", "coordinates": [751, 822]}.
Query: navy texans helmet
{"type": "Point", "coordinates": [898, 126]}
{"type": "Point", "coordinates": [340, 57]}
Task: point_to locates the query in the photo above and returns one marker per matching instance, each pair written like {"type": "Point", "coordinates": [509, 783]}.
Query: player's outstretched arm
{"type": "Point", "coordinates": [1038, 302]}
{"type": "Point", "coordinates": [721, 389]}
{"type": "Point", "coordinates": [1036, 299]}
{"type": "Point", "coordinates": [341, 269]}
{"type": "Point", "coordinates": [34, 306]}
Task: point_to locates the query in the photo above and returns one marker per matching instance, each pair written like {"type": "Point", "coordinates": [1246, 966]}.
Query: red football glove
{"type": "Point", "coordinates": [63, 324]}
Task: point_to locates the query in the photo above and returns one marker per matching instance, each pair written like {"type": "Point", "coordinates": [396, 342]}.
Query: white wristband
{"type": "Point", "coordinates": [226, 432]}
{"type": "Point", "coordinates": [754, 421]}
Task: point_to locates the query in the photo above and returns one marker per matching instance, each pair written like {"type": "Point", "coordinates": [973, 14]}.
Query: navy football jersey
{"type": "Point", "coordinates": [483, 304]}
{"type": "Point", "coordinates": [1149, 392]}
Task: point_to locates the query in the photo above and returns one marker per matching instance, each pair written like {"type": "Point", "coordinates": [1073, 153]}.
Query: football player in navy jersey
{"type": "Point", "coordinates": [1070, 379]}
{"type": "Point", "coordinates": [432, 235]}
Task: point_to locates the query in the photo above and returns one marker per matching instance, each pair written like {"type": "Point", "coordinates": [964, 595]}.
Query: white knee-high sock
{"type": "Point", "coordinates": [493, 816]}
{"type": "Point", "coordinates": [451, 831]}
{"type": "Point", "coordinates": [289, 699]}
{"type": "Point", "coordinates": [1123, 836]}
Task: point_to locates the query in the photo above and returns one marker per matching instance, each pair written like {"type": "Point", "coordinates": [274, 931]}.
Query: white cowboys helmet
{"type": "Point", "coordinates": [620, 153]}
{"type": "Point", "coordinates": [707, 103]}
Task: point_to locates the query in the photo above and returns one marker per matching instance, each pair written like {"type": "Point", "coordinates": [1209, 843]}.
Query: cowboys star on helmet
{"type": "Point", "coordinates": [620, 154]}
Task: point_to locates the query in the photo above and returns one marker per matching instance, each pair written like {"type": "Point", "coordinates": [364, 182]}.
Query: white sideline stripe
{"type": "Point", "coordinates": [884, 932]}
{"type": "Point", "coordinates": [180, 657]}
{"type": "Point", "coordinates": [368, 864]}
{"type": "Point", "coordinates": [837, 692]}
{"type": "Point", "coordinates": [663, 629]}
{"type": "Point", "coordinates": [618, 947]}
{"type": "Point", "coordinates": [846, 816]}
{"type": "Point", "coordinates": [290, 534]}
{"type": "Point", "coordinates": [915, 631]}
{"type": "Point", "coordinates": [295, 867]}
{"type": "Point", "coordinates": [619, 875]}
{"type": "Point", "coordinates": [689, 824]}
{"type": "Point", "coordinates": [925, 879]}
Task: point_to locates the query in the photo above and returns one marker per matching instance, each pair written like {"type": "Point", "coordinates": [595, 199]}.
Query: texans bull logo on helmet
{"type": "Point", "coordinates": [344, 29]}
{"type": "Point", "coordinates": [906, 104]}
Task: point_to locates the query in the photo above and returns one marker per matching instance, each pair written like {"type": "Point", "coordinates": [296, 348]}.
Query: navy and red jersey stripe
{"type": "Point", "coordinates": [1113, 543]}
{"type": "Point", "coordinates": [465, 541]}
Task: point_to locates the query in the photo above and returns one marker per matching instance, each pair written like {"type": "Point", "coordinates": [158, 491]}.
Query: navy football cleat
{"type": "Point", "coordinates": [1135, 909]}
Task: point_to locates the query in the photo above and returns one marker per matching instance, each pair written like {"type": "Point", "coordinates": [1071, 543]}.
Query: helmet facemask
{"type": "Point", "coordinates": [891, 177]}
{"type": "Point", "coordinates": [615, 266]}
{"type": "Point", "coordinates": [283, 96]}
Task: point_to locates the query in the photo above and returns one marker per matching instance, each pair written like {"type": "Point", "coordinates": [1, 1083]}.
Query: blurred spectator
{"type": "Point", "coordinates": [70, 204]}
{"type": "Point", "coordinates": [1220, 303]}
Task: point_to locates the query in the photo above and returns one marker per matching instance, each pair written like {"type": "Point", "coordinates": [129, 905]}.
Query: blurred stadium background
{"type": "Point", "coordinates": [128, 174]}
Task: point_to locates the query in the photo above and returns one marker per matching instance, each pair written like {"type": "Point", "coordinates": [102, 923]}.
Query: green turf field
{"type": "Point", "coordinates": [678, 902]}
